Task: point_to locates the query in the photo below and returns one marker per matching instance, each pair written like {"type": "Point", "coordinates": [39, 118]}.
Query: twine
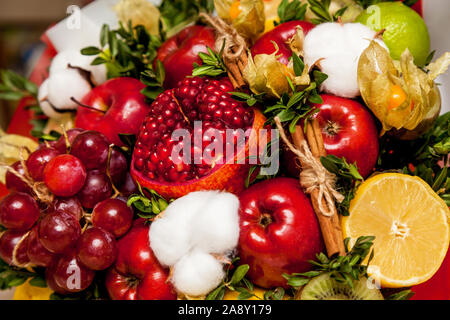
{"type": "Point", "coordinates": [314, 176]}
{"type": "Point", "coordinates": [227, 37]}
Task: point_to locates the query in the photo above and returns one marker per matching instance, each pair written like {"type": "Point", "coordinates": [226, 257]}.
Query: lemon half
{"type": "Point", "coordinates": [410, 223]}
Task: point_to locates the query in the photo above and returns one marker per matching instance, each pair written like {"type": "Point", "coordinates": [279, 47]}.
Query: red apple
{"type": "Point", "coordinates": [349, 131]}
{"type": "Point", "coordinates": [279, 231]}
{"type": "Point", "coordinates": [116, 106]}
{"type": "Point", "coordinates": [179, 52]}
{"type": "Point", "coordinates": [281, 36]}
{"type": "Point", "coordinates": [137, 274]}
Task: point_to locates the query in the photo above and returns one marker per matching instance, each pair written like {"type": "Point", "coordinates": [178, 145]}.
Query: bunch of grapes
{"type": "Point", "coordinates": [71, 231]}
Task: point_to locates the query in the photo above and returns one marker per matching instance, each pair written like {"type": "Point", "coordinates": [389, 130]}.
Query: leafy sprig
{"type": "Point", "coordinates": [321, 9]}
{"type": "Point", "coordinates": [426, 157]}
{"type": "Point", "coordinates": [344, 269]}
{"type": "Point", "coordinates": [348, 179]}
{"type": "Point", "coordinates": [14, 87]}
{"type": "Point", "coordinates": [289, 11]}
{"type": "Point", "coordinates": [176, 14]}
{"type": "Point", "coordinates": [149, 204]}
{"type": "Point", "coordinates": [292, 108]}
{"type": "Point", "coordinates": [212, 64]}
{"type": "Point", "coordinates": [129, 52]}
{"type": "Point", "coordinates": [11, 276]}
{"type": "Point", "coordinates": [234, 281]}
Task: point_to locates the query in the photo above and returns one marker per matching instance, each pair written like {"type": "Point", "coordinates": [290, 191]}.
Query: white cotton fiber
{"type": "Point", "coordinates": [63, 86]}
{"type": "Point", "coordinates": [45, 105]}
{"type": "Point", "coordinates": [339, 45]}
{"type": "Point", "coordinates": [216, 228]}
{"type": "Point", "coordinates": [171, 236]}
{"type": "Point", "coordinates": [197, 273]}
{"type": "Point", "coordinates": [63, 60]}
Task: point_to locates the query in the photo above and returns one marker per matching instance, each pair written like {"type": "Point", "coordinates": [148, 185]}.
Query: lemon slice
{"type": "Point", "coordinates": [410, 224]}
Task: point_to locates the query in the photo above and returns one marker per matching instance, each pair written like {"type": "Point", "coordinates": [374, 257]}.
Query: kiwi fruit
{"type": "Point", "coordinates": [324, 287]}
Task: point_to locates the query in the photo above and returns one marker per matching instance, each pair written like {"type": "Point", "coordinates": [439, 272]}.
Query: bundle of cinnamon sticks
{"type": "Point", "coordinates": [329, 225]}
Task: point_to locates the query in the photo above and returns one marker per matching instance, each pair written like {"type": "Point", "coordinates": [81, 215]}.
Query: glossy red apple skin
{"type": "Point", "coordinates": [179, 52]}
{"type": "Point", "coordinates": [280, 35]}
{"type": "Point", "coordinates": [349, 131]}
{"type": "Point", "coordinates": [137, 274]}
{"type": "Point", "coordinates": [122, 108]}
{"type": "Point", "coordinates": [287, 242]}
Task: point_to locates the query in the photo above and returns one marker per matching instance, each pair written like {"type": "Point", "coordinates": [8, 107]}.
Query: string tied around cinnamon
{"type": "Point", "coordinates": [233, 46]}
{"type": "Point", "coordinates": [314, 176]}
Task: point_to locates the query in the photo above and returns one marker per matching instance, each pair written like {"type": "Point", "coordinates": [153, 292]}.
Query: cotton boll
{"type": "Point", "coordinates": [63, 86]}
{"type": "Point", "coordinates": [216, 228]}
{"type": "Point", "coordinates": [197, 273]}
{"type": "Point", "coordinates": [73, 58]}
{"type": "Point", "coordinates": [170, 235]}
{"type": "Point", "coordinates": [339, 46]}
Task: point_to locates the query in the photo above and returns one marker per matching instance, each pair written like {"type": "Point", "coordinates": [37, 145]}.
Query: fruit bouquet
{"type": "Point", "coordinates": [228, 150]}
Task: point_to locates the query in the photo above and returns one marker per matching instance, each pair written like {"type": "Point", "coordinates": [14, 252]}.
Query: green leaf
{"type": "Point", "coordinates": [299, 65]}
{"type": "Point", "coordinates": [402, 295]}
{"type": "Point", "coordinates": [104, 34]}
{"type": "Point", "coordinates": [38, 281]}
{"type": "Point", "coordinates": [217, 294]}
{"type": "Point", "coordinates": [90, 51]}
{"type": "Point", "coordinates": [239, 274]}
{"type": "Point", "coordinates": [11, 96]}
{"type": "Point", "coordinates": [245, 295]}
{"type": "Point", "coordinates": [98, 61]}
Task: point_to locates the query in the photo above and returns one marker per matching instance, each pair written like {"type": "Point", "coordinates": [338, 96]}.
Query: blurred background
{"type": "Point", "coordinates": [22, 23]}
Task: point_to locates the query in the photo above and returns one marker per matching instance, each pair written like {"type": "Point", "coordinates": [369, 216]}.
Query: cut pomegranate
{"type": "Point", "coordinates": [171, 167]}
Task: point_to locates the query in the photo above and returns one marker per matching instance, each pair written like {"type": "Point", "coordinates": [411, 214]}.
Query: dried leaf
{"type": "Point", "coordinates": [265, 74]}
{"type": "Point", "coordinates": [246, 16]}
{"type": "Point", "coordinates": [377, 76]}
{"type": "Point", "coordinates": [139, 12]}
{"type": "Point", "coordinates": [439, 66]}
{"type": "Point", "coordinates": [10, 150]}
{"type": "Point", "coordinates": [296, 42]}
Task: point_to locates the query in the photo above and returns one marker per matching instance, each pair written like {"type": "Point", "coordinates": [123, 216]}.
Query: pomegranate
{"type": "Point", "coordinates": [200, 167]}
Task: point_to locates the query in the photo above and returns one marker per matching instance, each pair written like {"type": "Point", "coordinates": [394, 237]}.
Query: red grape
{"type": "Point", "coordinates": [61, 146]}
{"type": "Point", "coordinates": [69, 205]}
{"type": "Point", "coordinates": [37, 161]}
{"type": "Point", "coordinates": [8, 242]}
{"type": "Point", "coordinates": [59, 231]}
{"type": "Point", "coordinates": [96, 249]}
{"type": "Point", "coordinates": [118, 166]}
{"type": "Point", "coordinates": [18, 211]}
{"type": "Point", "coordinates": [36, 252]}
{"type": "Point", "coordinates": [70, 275]}
{"type": "Point", "coordinates": [64, 175]}
{"type": "Point", "coordinates": [14, 183]}
{"type": "Point", "coordinates": [50, 278]}
{"type": "Point", "coordinates": [96, 189]}
{"type": "Point", "coordinates": [92, 149]}
{"type": "Point", "coordinates": [113, 215]}
{"type": "Point", "coordinates": [128, 187]}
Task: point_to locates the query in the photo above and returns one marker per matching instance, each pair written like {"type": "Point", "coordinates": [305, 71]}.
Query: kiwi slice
{"type": "Point", "coordinates": [324, 287]}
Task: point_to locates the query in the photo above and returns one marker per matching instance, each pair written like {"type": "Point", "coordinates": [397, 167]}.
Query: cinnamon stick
{"type": "Point", "coordinates": [330, 226]}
